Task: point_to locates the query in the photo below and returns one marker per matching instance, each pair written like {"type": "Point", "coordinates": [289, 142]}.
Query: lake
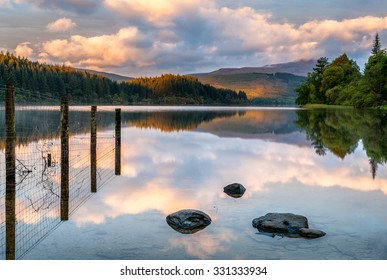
{"type": "Point", "coordinates": [328, 165]}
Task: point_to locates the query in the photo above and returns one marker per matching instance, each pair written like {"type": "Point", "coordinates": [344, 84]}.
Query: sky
{"type": "Point", "coordinates": [147, 38]}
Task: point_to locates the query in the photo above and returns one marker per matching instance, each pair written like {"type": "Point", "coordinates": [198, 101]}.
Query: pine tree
{"type": "Point", "coordinates": [377, 46]}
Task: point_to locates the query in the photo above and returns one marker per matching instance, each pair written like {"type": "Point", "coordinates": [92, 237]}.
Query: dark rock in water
{"type": "Point", "coordinates": [234, 190]}
{"type": "Point", "coordinates": [286, 224]}
{"type": "Point", "coordinates": [280, 223]}
{"type": "Point", "coordinates": [311, 233]}
{"type": "Point", "coordinates": [188, 221]}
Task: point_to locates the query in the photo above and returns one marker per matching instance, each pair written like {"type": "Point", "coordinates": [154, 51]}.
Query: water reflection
{"type": "Point", "coordinates": [341, 131]}
{"type": "Point", "coordinates": [34, 124]}
{"type": "Point", "coordinates": [165, 170]}
{"type": "Point", "coordinates": [279, 177]}
{"type": "Point", "coordinates": [30, 209]}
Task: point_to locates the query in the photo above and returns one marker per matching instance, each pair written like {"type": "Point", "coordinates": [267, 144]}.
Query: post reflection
{"type": "Point", "coordinates": [10, 161]}
{"type": "Point", "coordinates": [31, 201]}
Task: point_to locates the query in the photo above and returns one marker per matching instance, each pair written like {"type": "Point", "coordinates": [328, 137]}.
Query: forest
{"type": "Point", "coordinates": [37, 82]}
{"type": "Point", "coordinates": [341, 82]}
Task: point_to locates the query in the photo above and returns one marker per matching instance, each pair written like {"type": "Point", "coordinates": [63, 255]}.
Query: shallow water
{"type": "Point", "coordinates": [323, 164]}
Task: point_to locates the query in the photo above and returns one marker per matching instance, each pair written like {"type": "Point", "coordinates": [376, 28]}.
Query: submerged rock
{"type": "Point", "coordinates": [280, 223]}
{"type": "Point", "coordinates": [311, 233]}
{"type": "Point", "coordinates": [235, 190]}
{"type": "Point", "coordinates": [286, 224]}
{"type": "Point", "coordinates": [188, 221]}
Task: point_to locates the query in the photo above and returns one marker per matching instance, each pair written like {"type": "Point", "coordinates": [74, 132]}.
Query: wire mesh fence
{"type": "Point", "coordinates": [38, 201]}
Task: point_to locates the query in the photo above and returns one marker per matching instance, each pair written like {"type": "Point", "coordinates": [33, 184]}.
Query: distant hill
{"type": "Point", "coordinates": [269, 84]}
{"type": "Point", "coordinates": [111, 76]}
{"type": "Point", "coordinates": [297, 68]}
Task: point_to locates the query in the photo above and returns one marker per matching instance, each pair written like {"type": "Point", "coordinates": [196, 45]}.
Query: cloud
{"type": "Point", "coordinates": [346, 30]}
{"type": "Point", "coordinates": [197, 35]}
{"type": "Point", "coordinates": [124, 47]}
{"type": "Point", "coordinates": [24, 50]}
{"type": "Point", "coordinates": [159, 12]}
{"type": "Point", "coordinates": [78, 6]}
{"type": "Point", "coordinates": [61, 25]}
{"type": "Point", "coordinates": [5, 3]}
{"type": "Point", "coordinates": [244, 31]}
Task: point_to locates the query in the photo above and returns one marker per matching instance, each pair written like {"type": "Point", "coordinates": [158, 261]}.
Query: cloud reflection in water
{"type": "Point", "coordinates": [166, 172]}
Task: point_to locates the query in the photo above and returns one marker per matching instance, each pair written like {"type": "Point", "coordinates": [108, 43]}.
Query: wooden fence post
{"type": "Point", "coordinates": [64, 138]}
{"type": "Point", "coordinates": [49, 160]}
{"type": "Point", "coordinates": [118, 142]}
{"type": "Point", "coordinates": [93, 149]}
{"type": "Point", "coordinates": [10, 159]}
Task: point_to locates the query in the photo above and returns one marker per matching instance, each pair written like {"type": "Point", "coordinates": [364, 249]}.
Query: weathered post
{"type": "Point", "coordinates": [10, 197]}
{"type": "Point", "coordinates": [64, 138]}
{"type": "Point", "coordinates": [49, 160]}
{"type": "Point", "coordinates": [118, 142]}
{"type": "Point", "coordinates": [93, 149]}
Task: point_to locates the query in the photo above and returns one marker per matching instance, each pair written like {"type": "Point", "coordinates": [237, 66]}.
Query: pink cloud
{"type": "Point", "coordinates": [61, 25]}
{"type": "Point", "coordinates": [24, 50]}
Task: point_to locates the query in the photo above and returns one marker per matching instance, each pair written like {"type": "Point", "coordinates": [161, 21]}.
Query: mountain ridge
{"type": "Point", "coordinates": [109, 75]}
{"type": "Point", "coordinates": [298, 68]}
{"type": "Point", "coordinates": [268, 84]}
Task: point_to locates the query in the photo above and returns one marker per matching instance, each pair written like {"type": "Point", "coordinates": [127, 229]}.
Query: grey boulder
{"type": "Point", "coordinates": [280, 223]}
{"type": "Point", "coordinates": [188, 221]}
{"type": "Point", "coordinates": [286, 224]}
{"type": "Point", "coordinates": [235, 190]}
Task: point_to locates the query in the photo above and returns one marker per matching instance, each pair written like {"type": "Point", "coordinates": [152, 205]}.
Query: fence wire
{"type": "Point", "coordinates": [37, 202]}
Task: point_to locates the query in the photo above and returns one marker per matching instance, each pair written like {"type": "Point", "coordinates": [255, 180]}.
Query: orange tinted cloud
{"type": "Point", "coordinates": [157, 12]}
{"type": "Point", "coordinates": [99, 51]}
{"type": "Point", "coordinates": [61, 25]}
{"type": "Point", "coordinates": [24, 50]}
{"type": "Point", "coordinates": [168, 33]}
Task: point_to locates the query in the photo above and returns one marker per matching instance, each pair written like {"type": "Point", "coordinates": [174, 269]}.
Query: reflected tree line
{"type": "Point", "coordinates": [340, 132]}
{"type": "Point", "coordinates": [169, 121]}
{"type": "Point", "coordinates": [34, 125]}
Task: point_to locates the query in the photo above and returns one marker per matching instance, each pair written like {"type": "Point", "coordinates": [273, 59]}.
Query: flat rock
{"type": "Point", "coordinates": [188, 221]}
{"type": "Point", "coordinates": [311, 233]}
{"type": "Point", "coordinates": [235, 190]}
{"type": "Point", "coordinates": [280, 223]}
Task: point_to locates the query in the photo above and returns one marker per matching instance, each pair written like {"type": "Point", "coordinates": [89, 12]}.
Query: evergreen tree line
{"type": "Point", "coordinates": [341, 82]}
{"type": "Point", "coordinates": [35, 81]}
{"type": "Point", "coordinates": [176, 89]}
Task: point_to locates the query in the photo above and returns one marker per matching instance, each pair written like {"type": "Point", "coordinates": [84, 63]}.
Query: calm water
{"type": "Point", "coordinates": [327, 165]}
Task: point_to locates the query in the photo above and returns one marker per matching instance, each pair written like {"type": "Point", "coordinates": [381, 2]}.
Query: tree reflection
{"type": "Point", "coordinates": [169, 121]}
{"type": "Point", "coordinates": [340, 131]}
{"type": "Point", "coordinates": [35, 125]}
